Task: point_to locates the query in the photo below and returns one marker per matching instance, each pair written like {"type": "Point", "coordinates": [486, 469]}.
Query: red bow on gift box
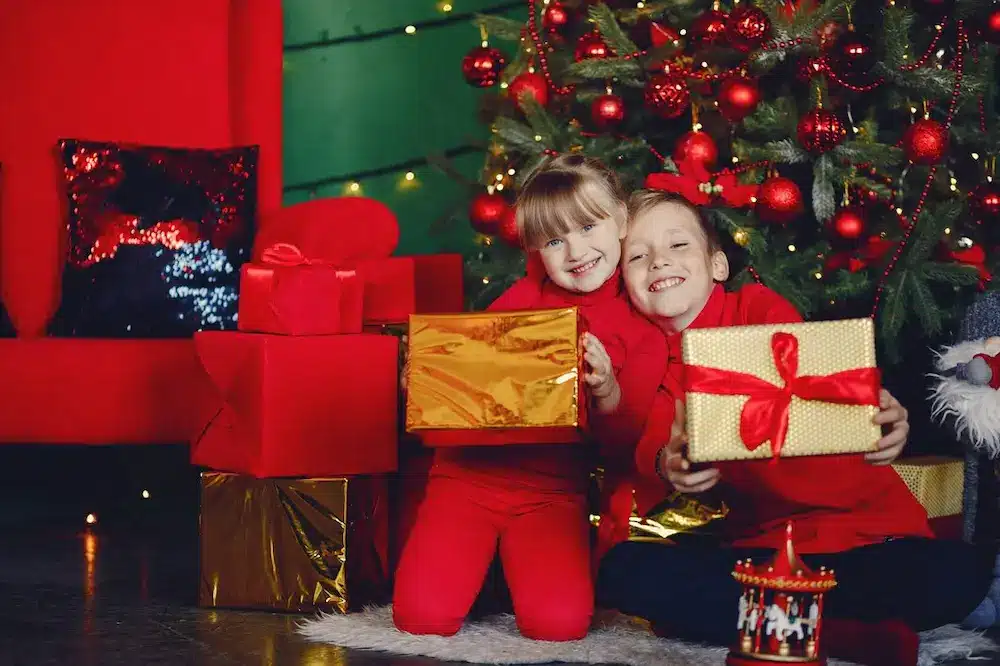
{"type": "Point", "coordinates": [286, 254]}
{"type": "Point", "coordinates": [765, 414]}
{"type": "Point", "coordinates": [698, 186]}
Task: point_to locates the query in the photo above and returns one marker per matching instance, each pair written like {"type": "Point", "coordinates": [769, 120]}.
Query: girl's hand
{"type": "Point", "coordinates": [601, 379]}
{"type": "Point", "coordinates": [892, 417]}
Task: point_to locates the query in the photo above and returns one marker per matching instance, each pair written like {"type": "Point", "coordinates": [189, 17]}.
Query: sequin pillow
{"type": "Point", "coordinates": [156, 239]}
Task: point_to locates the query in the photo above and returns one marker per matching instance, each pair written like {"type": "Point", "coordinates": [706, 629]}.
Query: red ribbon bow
{"type": "Point", "coordinates": [765, 414]}
{"type": "Point", "coordinates": [287, 254]}
{"type": "Point", "coordinates": [856, 260]}
{"type": "Point", "coordinates": [698, 186]}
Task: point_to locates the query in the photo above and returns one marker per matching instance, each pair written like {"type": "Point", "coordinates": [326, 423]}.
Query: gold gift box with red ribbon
{"type": "Point", "coordinates": [781, 390]}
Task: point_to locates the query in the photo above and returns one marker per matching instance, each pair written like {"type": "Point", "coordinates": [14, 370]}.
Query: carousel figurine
{"type": "Point", "coordinates": [780, 610]}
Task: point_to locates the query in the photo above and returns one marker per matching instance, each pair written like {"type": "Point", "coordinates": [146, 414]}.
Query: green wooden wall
{"type": "Point", "coordinates": [357, 102]}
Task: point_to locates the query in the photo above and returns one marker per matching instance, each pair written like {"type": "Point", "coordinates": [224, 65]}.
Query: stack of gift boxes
{"type": "Point", "coordinates": [303, 437]}
{"type": "Point", "coordinates": [304, 440]}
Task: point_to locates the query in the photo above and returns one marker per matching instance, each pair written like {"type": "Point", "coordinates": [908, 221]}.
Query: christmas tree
{"type": "Point", "coordinates": [846, 149]}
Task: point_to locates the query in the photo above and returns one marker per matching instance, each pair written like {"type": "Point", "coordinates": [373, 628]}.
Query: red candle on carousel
{"type": "Point", "coordinates": [780, 610]}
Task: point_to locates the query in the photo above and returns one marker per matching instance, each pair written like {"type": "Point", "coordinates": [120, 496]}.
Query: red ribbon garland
{"type": "Point", "coordinates": [765, 414]}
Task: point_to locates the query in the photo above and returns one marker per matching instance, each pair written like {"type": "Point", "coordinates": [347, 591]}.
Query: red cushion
{"type": "Point", "coordinates": [159, 73]}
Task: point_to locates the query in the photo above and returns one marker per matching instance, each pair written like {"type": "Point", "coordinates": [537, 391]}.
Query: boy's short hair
{"type": "Point", "coordinates": [566, 193]}
{"type": "Point", "coordinates": [642, 201]}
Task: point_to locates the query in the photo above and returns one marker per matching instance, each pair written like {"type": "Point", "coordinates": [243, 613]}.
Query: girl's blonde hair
{"type": "Point", "coordinates": [566, 193]}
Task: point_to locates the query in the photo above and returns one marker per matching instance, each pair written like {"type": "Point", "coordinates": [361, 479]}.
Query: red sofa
{"type": "Point", "coordinates": [189, 73]}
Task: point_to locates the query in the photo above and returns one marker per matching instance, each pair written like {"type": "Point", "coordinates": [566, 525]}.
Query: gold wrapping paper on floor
{"type": "Point", "coordinates": [678, 513]}
{"type": "Point", "coordinates": [494, 370]}
{"type": "Point", "coordinates": [814, 427]}
{"type": "Point", "coordinates": [293, 544]}
{"type": "Point", "coordinates": [937, 482]}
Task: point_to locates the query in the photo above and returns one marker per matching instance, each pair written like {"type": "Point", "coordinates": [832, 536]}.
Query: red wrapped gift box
{"type": "Point", "coordinates": [292, 294]}
{"type": "Point", "coordinates": [355, 233]}
{"type": "Point", "coordinates": [299, 406]}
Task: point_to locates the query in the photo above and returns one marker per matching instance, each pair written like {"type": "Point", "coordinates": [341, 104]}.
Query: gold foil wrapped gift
{"type": "Point", "coordinates": [788, 389]}
{"type": "Point", "coordinates": [937, 482]}
{"type": "Point", "coordinates": [495, 378]}
{"type": "Point", "coordinates": [293, 544]}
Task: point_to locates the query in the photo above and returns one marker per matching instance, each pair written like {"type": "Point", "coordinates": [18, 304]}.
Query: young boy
{"type": "Point", "coordinates": [851, 513]}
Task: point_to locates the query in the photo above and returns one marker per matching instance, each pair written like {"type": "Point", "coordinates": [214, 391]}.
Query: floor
{"type": "Point", "coordinates": [122, 590]}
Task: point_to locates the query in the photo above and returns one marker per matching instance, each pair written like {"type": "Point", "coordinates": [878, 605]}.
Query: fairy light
{"type": "Point", "coordinates": [410, 29]}
{"type": "Point", "coordinates": [499, 177]}
{"type": "Point", "coordinates": [682, 32]}
{"type": "Point", "coordinates": [145, 494]}
{"type": "Point", "coordinates": [446, 7]}
{"type": "Point", "coordinates": [510, 172]}
{"type": "Point", "coordinates": [91, 518]}
{"type": "Point", "coordinates": [499, 187]}
{"type": "Point", "coordinates": [975, 156]}
{"type": "Point", "coordinates": [640, 5]}
{"type": "Point", "coordinates": [410, 175]}
{"type": "Point", "coordinates": [791, 248]}
{"type": "Point", "coordinates": [818, 275]}
{"type": "Point", "coordinates": [538, 137]}
{"type": "Point", "coordinates": [486, 280]}
{"type": "Point", "coordinates": [947, 231]}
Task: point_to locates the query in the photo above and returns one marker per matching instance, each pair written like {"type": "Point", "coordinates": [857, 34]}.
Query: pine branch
{"type": "Point", "coordinates": [785, 151]}
{"type": "Point", "coordinates": [518, 136]}
{"type": "Point", "coordinates": [823, 191]}
{"type": "Point", "coordinates": [772, 120]}
{"type": "Point", "coordinates": [500, 27]}
{"type": "Point", "coordinates": [954, 274]}
{"type": "Point", "coordinates": [924, 305]}
{"type": "Point", "coordinates": [882, 190]}
{"type": "Point", "coordinates": [893, 311]}
{"type": "Point", "coordinates": [848, 285]}
{"type": "Point", "coordinates": [929, 231]}
{"type": "Point", "coordinates": [805, 24]}
{"type": "Point", "coordinates": [612, 33]}
{"type": "Point", "coordinates": [601, 69]}
{"type": "Point", "coordinates": [517, 66]}
{"type": "Point", "coordinates": [776, 12]}
{"type": "Point", "coordinates": [880, 155]}
{"type": "Point", "coordinates": [730, 221]}
{"type": "Point", "coordinates": [543, 124]}
{"type": "Point", "coordinates": [896, 28]}
{"type": "Point", "coordinates": [972, 8]}
{"type": "Point", "coordinates": [529, 168]}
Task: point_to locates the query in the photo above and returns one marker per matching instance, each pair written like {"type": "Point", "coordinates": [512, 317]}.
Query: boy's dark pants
{"type": "Point", "coordinates": [687, 589]}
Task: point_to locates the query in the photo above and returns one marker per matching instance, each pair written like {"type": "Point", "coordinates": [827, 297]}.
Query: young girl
{"type": "Point", "coordinates": [852, 513]}
{"type": "Point", "coordinates": [531, 500]}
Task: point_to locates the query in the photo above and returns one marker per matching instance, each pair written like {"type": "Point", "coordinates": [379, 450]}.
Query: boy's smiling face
{"type": "Point", "coordinates": [669, 268]}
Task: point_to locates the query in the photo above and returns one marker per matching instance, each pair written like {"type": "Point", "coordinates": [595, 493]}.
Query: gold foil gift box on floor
{"type": "Point", "coordinates": [293, 544]}
{"type": "Point", "coordinates": [495, 378]}
{"type": "Point", "coordinates": [789, 389]}
{"type": "Point", "coordinates": [937, 482]}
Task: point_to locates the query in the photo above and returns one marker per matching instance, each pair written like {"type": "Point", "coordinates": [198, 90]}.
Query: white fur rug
{"type": "Point", "coordinates": [620, 641]}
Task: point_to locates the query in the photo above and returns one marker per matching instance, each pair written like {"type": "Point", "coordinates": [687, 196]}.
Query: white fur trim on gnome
{"type": "Point", "coordinates": [976, 409]}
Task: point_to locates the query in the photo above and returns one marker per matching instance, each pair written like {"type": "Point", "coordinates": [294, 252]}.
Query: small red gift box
{"type": "Point", "coordinates": [355, 233]}
{"type": "Point", "coordinates": [299, 406]}
{"type": "Point", "coordinates": [289, 293]}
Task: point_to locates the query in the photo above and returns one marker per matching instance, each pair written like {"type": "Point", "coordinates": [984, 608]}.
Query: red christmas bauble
{"type": "Point", "coordinates": [810, 68]}
{"type": "Point", "coordinates": [481, 67]}
{"type": "Point", "coordinates": [738, 98]}
{"type": "Point", "coordinates": [925, 142]}
{"type": "Point", "coordinates": [529, 83]}
{"type": "Point", "coordinates": [990, 30]}
{"type": "Point", "coordinates": [607, 110]}
{"type": "Point", "coordinates": [827, 34]}
{"type": "Point", "coordinates": [697, 146]}
{"type": "Point", "coordinates": [661, 34]}
{"type": "Point", "coordinates": [853, 54]}
{"type": "Point", "coordinates": [667, 95]}
{"type": "Point", "coordinates": [779, 200]}
{"type": "Point", "coordinates": [848, 223]}
{"type": "Point", "coordinates": [820, 131]}
{"type": "Point", "coordinates": [590, 46]}
{"type": "Point", "coordinates": [556, 16]}
{"type": "Point", "coordinates": [507, 229]}
{"type": "Point", "coordinates": [747, 27]}
{"type": "Point", "coordinates": [710, 28]}
{"type": "Point", "coordinates": [486, 211]}
{"type": "Point", "coordinates": [984, 201]}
